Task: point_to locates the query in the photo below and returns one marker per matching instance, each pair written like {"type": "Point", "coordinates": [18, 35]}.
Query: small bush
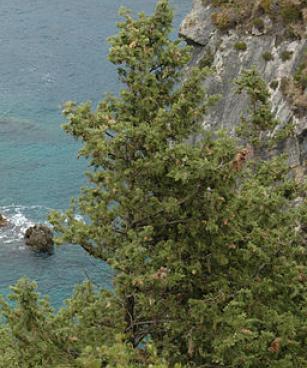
{"type": "Point", "coordinates": [247, 13]}
{"type": "Point", "coordinates": [240, 46]}
{"type": "Point", "coordinates": [293, 90]}
{"type": "Point", "coordinates": [286, 55]}
{"type": "Point", "coordinates": [207, 60]}
{"type": "Point", "coordinates": [221, 20]}
{"type": "Point", "coordinates": [300, 75]}
{"type": "Point", "coordinates": [267, 56]}
{"type": "Point", "coordinates": [290, 11]}
{"type": "Point", "coordinates": [266, 5]}
{"type": "Point", "coordinates": [259, 24]}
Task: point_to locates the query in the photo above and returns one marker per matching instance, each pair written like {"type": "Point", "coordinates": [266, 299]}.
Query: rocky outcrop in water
{"type": "Point", "coordinates": [263, 44]}
{"type": "Point", "coordinates": [39, 238]}
{"type": "Point", "coordinates": [3, 221]}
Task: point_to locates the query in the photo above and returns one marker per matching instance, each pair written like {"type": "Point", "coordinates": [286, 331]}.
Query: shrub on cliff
{"type": "Point", "coordinates": [247, 13]}
{"type": "Point", "coordinates": [205, 243]}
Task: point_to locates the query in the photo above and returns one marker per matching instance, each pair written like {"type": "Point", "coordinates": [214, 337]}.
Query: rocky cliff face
{"type": "Point", "coordinates": [279, 59]}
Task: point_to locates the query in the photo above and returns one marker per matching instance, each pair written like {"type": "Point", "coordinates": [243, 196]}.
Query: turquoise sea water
{"type": "Point", "coordinates": [51, 51]}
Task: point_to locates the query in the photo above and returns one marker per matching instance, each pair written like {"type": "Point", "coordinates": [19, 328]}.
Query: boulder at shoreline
{"type": "Point", "coordinates": [3, 221]}
{"type": "Point", "coordinates": [39, 238]}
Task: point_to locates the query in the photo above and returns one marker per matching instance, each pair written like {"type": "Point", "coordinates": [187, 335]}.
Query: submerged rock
{"type": "Point", "coordinates": [39, 238]}
{"type": "Point", "coordinates": [3, 221]}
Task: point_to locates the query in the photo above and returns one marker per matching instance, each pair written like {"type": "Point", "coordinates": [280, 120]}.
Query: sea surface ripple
{"type": "Point", "coordinates": [51, 51]}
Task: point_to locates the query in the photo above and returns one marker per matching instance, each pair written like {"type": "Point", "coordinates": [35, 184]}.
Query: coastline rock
{"type": "Point", "coordinates": [3, 221]}
{"type": "Point", "coordinates": [39, 238]}
{"type": "Point", "coordinates": [217, 49]}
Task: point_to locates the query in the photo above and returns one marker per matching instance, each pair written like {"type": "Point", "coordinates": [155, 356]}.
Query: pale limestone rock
{"type": "Point", "coordinates": [198, 30]}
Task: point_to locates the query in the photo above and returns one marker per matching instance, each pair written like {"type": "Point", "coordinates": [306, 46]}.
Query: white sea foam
{"type": "Point", "coordinates": [19, 220]}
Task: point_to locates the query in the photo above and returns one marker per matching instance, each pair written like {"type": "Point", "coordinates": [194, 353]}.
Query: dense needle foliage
{"type": "Point", "coordinates": [205, 240]}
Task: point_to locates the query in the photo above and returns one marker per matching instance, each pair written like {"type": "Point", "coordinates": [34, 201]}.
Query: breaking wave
{"type": "Point", "coordinates": [56, 274]}
{"type": "Point", "coordinates": [20, 218]}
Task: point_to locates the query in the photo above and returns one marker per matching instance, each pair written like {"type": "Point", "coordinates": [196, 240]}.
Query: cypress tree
{"type": "Point", "coordinates": [192, 230]}
{"type": "Point", "coordinates": [206, 244]}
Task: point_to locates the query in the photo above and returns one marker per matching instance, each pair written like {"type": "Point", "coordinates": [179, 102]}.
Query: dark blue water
{"type": "Point", "coordinates": [51, 51]}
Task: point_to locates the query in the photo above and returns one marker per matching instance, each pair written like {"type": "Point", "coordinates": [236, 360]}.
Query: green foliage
{"type": "Point", "coordinates": [293, 88]}
{"type": "Point", "coordinates": [240, 46]}
{"type": "Point", "coordinates": [261, 121]}
{"type": "Point", "coordinates": [291, 10]}
{"type": "Point", "coordinates": [222, 21]}
{"type": "Point", "coordinates": [81, 334]}
{"type": "Point", "coordinates": [266, 6]}
{"type": "Point", "coordinates": [260, 128]}
{"type": "Point", "coordinates": [259, 24]}
{"type": "Point", "coordinates": [267, 56]}
{"type": "Point", "coordinates": [286, 55]}
{"type": "Point", "coordinates": [247, 13]}
{"type": "Point", "coordinates": [205, 243]}
{"type": "Point", "coordinates": [300, 75]}
{"type": "Point", "coordinates": [207, 60]}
